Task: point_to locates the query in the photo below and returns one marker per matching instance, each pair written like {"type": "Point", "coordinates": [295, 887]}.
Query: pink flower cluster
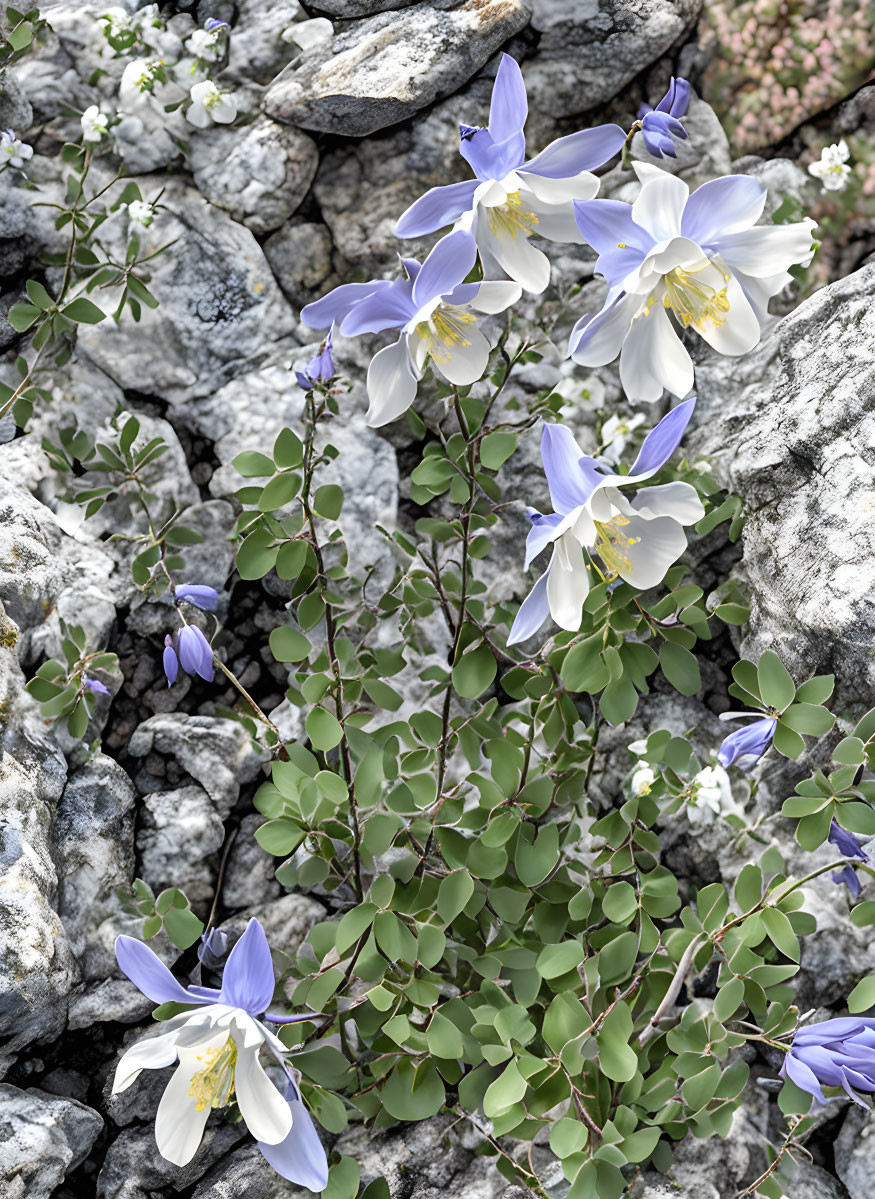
{"type": "Point", "coordinates": [776, 64]}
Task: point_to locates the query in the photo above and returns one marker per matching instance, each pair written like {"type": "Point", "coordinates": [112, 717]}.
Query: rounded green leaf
{"type": "Point", "coordinates": [183, 927]}
{"type": "Point", "coordinates": [84, 312]}
{"type": "Point", "coordinates": [256, 555]}
{"type": "Point", "coordinates": [253, 465]}
{"type": "Point", "coordinates": [775, 682]}
{"type": "Point", "coordinates": [496, 448]}
{"type": "Point", "coordinates": [328, 501]}
{"type": "Point", "coordinates": [863, 995]}
{"type": "Point", "coordinates": [279, 837]}
{"type": "Point", "coordinates": [443, 1038]}
{"type": "Point", "coordinates": [394, 938]}
{"type": "Point", "coordinates": [453, 894]}
{"type": "Point", "coordinates": [413, 1092]}
{"type": "Point", "coordinates": [474, 671]}
{"type": "Point", "coordinates": [288, 645]}
{"type": "Point", "coordinates": [554, 960]}
{"type": "Point", "coordinates": [287, 449]}
{"type": "Point", "coordinates": [323, 729]}
{"type": "Point", "coordinates": [619, 902]}
{"type": "Point", "coordinates": [680, 668]}
{"type": "Point", "coordinates": [618, 1060]}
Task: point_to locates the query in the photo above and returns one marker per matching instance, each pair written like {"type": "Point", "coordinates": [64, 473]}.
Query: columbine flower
{"type": "Point", "coordinates": [13, 151]}
{"type": "Point", "coordinates": [642, 780]}
{"type": "Point", "coordinates": [751, 741]}
{"type": "Point", "coordinates": [96, 685]}
{"type": "Point", "coordinates": [217, 1043]}
{"type": "Point", "coordinates": [206, 43]}
{"type": "Point", "coordinates": [198, 594]}
{"type": "Point", "coordinates": [195, 654]}
{"type": "Point", "coordinates": [847, 844]}
{"type": "Point", "coordinates": [94, 124]}
{"type": "Point", "coordinates": [831, 168]}
{"type": "Point", "coordinates": [636, 541]}
{"type": "Point", "coordinates": [209, 104]}
{"type": "Point", "coordinates": [511, 199]}
{"type": "Point", "coordinates": [320, 368]}
{"type": "Point", "coordinates": [659, 125]}
{"type": "Point", "coordinates": [436, 313]}
{"type": "Point", "coordinates": [615, 432]}
{"type": "Point", "coordinates": [141, 213]}
{"type": "Point", "coordinates": [833, 1053]}
{"type": "Point", "coordinates": [711, 796]}
{"type": "Point", "coordinates": [698, 257]}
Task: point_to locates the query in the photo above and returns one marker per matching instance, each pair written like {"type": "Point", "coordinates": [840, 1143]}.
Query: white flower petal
{"type": "Point", "coordinates": [740, 330]}
{"type": "Point", "coordinates": [599, 340]}
{"type": "Point", "coordinates": [465, 363]}
{"type": "Point", "coordinates": [495, 295]}
{"type": "Point", "coordinates": [558, 191]}
{"type": "Point", "coordinates": [392, 380]}
{"type": "Point", "coordinates": [662, 541]}
{"type": "Point", "coordinates": [179, 1126]}
{"type": "Point", "coordinates": [268, 1117]}
{"type": "Point", "coordinates": [556, 222]}
{"type": "Point", "coordinates": [150, 1054]}
{"type": "Point", "coordinates": [767, 249]}
{"type": "Point", "coordinates": [760, 291]}
{"type": "Point", "coordinates": [653, 358]}
{"type": "Point", "coordinates": [678, 500]}
{"type": "Point", "coordinates": [567, 583]}
{"type": "Point", "coordinates": [197, 116]}
{"type": "Point", "coordinates": [660, 206]}
{"type": "Point", "coordinates": [515, 255]}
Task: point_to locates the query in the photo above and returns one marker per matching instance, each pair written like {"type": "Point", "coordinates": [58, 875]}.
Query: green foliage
{"type": "Point", "coordinates": [59, 685]}
{"type": "Point", "coordinates": [170, 910]}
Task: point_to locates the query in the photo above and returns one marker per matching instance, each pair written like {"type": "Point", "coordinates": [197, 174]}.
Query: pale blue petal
{"type": "Point", "coordinates": [438, 207]}
{"type": "Point", "coordinates": [753, 740]}
{"type": "Point", "coordinates": [661, 442]}
{"type": "Point", "coordinates": [148, 973]}
{"type": "Point", "coordinates": [248, 979]}
{"type": "Point", "coordinates": [541, 533]}
{"type": "Point", "coordinates": [445, 268]}
{"type": "Point", "coordinates": [300, 1157]}
{"type": "Point", "coordinates": [387, 309]}
{"type": "Point", "coordinates": [510, 106]}
{"type": "Point", "coordinates": [583, 151]}
{"type": "Point", "coordinates": [561, 455]}
{"type": "Point", "coordinates": [722, 206]}
{"type": "Point", "coordinates": [534, 610]}
{"type": "Point", "coordinates": [339, 302]}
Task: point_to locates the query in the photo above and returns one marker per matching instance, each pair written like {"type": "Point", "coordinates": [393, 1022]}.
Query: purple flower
{"type": "Point", "coordinates": [212, 949]}
{"type": "Point", "coordinates": [510, 199]}
{"type": "Point", "coordinates": [216, 1043]}
{"type": "Point", "coordinates": [320, 368]}
{"type": "Point", "coordinates": [847, 844]}
{"type": "Point", "coordinates": [199, 594]}
{"type": "Point", "coordinates": [96, 685]}
{"type": "Point", "coordinates": [437, 314]}
{"type": "Point", "coordinates": [213, 24]}
{"type": "Point", "coordinates": [833, 1053]}
{"type": "Point", "coordinates": [171, 662]}
{"type": "Point", "coordinates": [659, 125]}
{"type": "Point", "coordinates": [636, 540]}
{"type": "Point", "coordinates": [753, 740]}
{"type": "Point", "coordinates": [195, 652]}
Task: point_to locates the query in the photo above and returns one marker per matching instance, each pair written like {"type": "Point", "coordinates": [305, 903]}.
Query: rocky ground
{"type": "Point", "coordinates": [266, 216]}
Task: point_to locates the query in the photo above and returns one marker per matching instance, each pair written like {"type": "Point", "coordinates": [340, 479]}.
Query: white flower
{"type": "Point", "coordinates": [308, 34]}
{"type": "Point", "coordinates": [642, 780]}
{"type": "Point", "coordinates": [638, 747]}
{"type": "Point", "coordinates": [117, 22]}
{"type": "Point", "coordinates": [711, 796]}
{"type": "Point", "coordinates": [94, 124]}
{"type": "Point", "coordinates": [615, 433]}
{"type": "Point", "coordinates": [209, 104]}
{"type": "Point", "coordinates": [204, 44]}
{"type": "Point", "coordinates": [831, 168]}
{"type": "Point", "coordinates": [13, 151]}
{"type": "Point", "coordinates": [138, 78]}
{"type": "Point", "coordinates": [141, 213]}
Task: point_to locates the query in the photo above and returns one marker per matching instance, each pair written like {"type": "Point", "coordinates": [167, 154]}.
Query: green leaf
{"type": "Point", "coordinates": [680, 668]}
{"type": "Point", "coordinates": [453, 894]}
{"type": "Point", "coordinates": [618, 701]}
{"type": "Point", "coordinates": [38, 294]}
{"type": "Point", "coordinates": [253, 465]}
{"type": "Point", "coordinates": [780, 932]}
{"type": "Point", "coordinates": [504, 1091]}
{"type": "Point", "coordinates": [323, 729]}
{"type": "Point", "coordinates": [287, 450]}
{"type": "Point", "coordinates": [775, 681]}
{"type": "Point", "coordinates": [84, 312]}
{"type": "Point", "coordinates": [394, 938]}
{"type": "Point", "coordinates": [328, 501]}
{"type": "Point", "coordinates": [290, 559]}
{"type": "Point", "coordinates": [536, 860]}
{"type": "Point", "coordinates": [183, 927]}
{"type": "Point", "coordinates": [256, 555]}
{"type": "Point", "coordinates": [619, 902]}
{"type": "Point", "coordinates": [413, 1093]}
{"type": "Point", "coordinates": [443, 1038]}
{"type": "Point", "coordinates": [810, 719]}
{"type": "Point", "coordinates": [583, 668]}
{"type": "Point", "coordinates": [787, 742]}
{"type": "Point", "coordinates": [279, 837]}
{"type": "Point", "coordinates": [863, 995]}
{"type": "Point", "coordinates": [474, 672]}
{"type": "Point", "coordinates": [288, 645]}
{"type": "Point", "coordinates": [343, 1180]}
{"type": "Point", "coordinates": [618, 1060]}
{"type": "Point", "coordinates": [22, 316]}
{"type": "Point", "coordinates": [496, 448]}
{"type": "Point", "coordinates": [816, 690]}
{"type": "Point", "coordinates": [554, 960]}
{"type": "Point", "coordinates": [728, 999]}
{"type": "Point", "coordinates": [352, 925]}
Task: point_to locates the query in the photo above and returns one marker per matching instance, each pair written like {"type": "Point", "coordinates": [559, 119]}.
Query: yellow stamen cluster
{"type": "Point", "coordinates": [611, 542]}
{"type": "Point", "coordinates": [692, 301]}
{"type": "Point", "coordinates": [510, 218]}
{"type": "Point", "coordinates": [213, 1086]}
{"type": "Point", "coordinates": [445, 331]}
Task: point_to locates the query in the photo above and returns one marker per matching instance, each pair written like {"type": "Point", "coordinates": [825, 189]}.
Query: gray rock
{"type": "Point", "coordinates": [589, 49]}
{"type": "Point", "coordinates": [178, 839]}
{"type": "Point", "coordinates": [383, 69]}
{"type": "Point", "coordinates": [259, 173]}
{"type": "Point", "coordinates": [300, 257]}
{"type": "Point", "coordinates": [786, 424]}
{"type": "Point", "coordinates": [245, 1174]}
{"type": "Point", "coordinates": [15, 109]}
{"type": "Point", "coordinates": [257, 50]}
{"type": "Point", "coordinates": [360, 8]}
{"type": "Point", "coordinates": [855, 1152]}
{"type": "Point", "coordinates": [249, 873]}
{"type": "Point", "coordinates": [133, 1167]}
{"type": "Point", "coordinates": [44, 1137]}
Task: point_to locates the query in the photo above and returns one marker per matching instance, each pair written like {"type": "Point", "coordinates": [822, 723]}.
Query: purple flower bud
{"type": "Point", "coordinates": [847, 844]}
{"type": "Point", "coordinates": [320, 368]}
{"type": "Point", "coordinates": [96, 685]}
{"type": "Point", "coordinates": [171, 662]}
{"type": "Point", "coordinates": [753, 741]}
{"type": "Point", "coordinates": [212, 949]}
{"type": "Point", "coordinates": [833, 1053]}
{"type": "Point", "coordinates": [195, 652]}
{"type": "Point", "coordinates": [212, 24]}
{"type": "Point", "coordinates": [659, 125]}
{"type": "Point", "coordinates": [198, 594]}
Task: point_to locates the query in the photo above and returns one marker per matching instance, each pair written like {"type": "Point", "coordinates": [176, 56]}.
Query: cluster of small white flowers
{"type": "Point", "coordinates": [831, 168]}
{"type": "Point", "coordinates": [95, 124]}
{"type": "Point", "coordinates": [711, 796]}
{"type": "Point", "coordinates": [13, 151]}
{"type": "Point", "coordinates": [615, 435]}
{"type": "Point", "coordinates": [141, 213]}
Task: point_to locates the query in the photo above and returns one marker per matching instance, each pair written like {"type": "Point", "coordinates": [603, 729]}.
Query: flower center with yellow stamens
{"type": "Point", "coordinates": [693, 301]}
{"type": "Point", "coordinates": [611, 542]}
{"type": "Point", "coordinates": [213, 1086]}
{"type": "Point", "coordinates": [445, 331]}
{"type": "Point", "coordinates": [510, 218]}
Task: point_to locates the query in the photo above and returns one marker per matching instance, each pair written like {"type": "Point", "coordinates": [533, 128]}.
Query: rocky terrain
{"type": "Point", "coordinates": [265, 216]}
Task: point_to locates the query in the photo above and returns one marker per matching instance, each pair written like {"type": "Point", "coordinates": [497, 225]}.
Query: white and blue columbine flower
{"type": "Point", "coordinates": [437, 315]}
{"type": "Point", "coordinates": [660, 125]}
{"type": "Point", "coordinates": [216, 1046]}
{"type": "Point", "coordinates": [636, 540]}
{"type": "Point", "coordinates": [511, 199]}
{"type": "Point", "coordinates": [697, 257]}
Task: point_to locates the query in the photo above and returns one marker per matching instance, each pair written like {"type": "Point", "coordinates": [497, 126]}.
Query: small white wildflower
{"type": "Point", "coordinates": [205, 44]}
{"type": "Point", "coordinates": [308, 34]}
{"type": "Point", "coordinates": [117, 22]}
{"type": "Point", "coordinates": [615, 434]}
{"type": "Point", "coordinates": [712, 796]}
{"type": "Point", "coordinates": [13, 151]}
{"type": "Point", "coordinates": [138, 78]}
{"type": "Point", "coordinates": [141, 213]}
{"type": "Point", "coordinates": [642, 780]}
{"type": "Point", "coordinates": [94, 124]}
{"type": "Point", "coordinates": [831, 168]}
{"type": "Point", "coordinates": [209, 104]}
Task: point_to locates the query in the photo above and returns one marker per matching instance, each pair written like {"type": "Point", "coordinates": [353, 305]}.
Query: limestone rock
{"type": "Point", "coordinates": [257, 50]}
{"type": "Point", "coordinates": [133, 1168]}
{"type": "Point", "coordinates": [589, 49]}
{"type": "Point", "coordinates": [855, 1152]}
{"type": "Point", "coordinates": [259, 173]}
{"type": "Point", "coordinates": [381, 70]}
{"type": "Point", "coordinates": [44, 1137]}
